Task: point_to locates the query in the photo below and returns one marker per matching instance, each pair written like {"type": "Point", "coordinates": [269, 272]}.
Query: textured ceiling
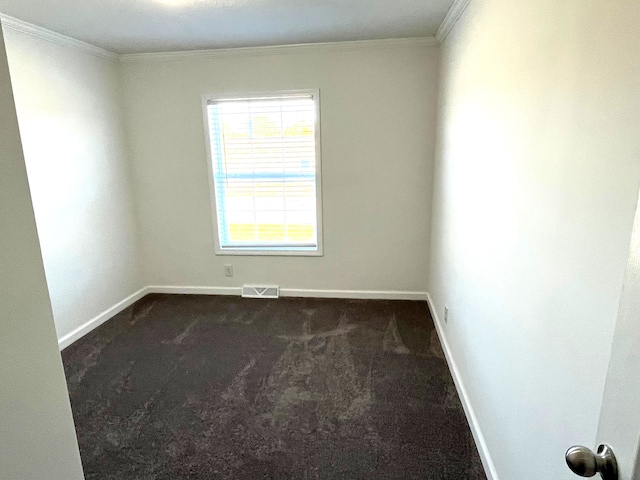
{"type": "Point", "coordinates": [134, 26]}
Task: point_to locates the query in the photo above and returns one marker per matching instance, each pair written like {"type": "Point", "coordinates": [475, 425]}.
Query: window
{"type": "Point", "coordinates": [264, 158]}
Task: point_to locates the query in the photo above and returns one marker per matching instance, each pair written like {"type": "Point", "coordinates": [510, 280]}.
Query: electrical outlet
{"type": "Point", "coordinates": [446, 314]}
{"type": "Point", "coordinates": [228, 270]}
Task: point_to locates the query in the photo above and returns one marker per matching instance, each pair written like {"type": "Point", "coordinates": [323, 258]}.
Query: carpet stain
{"type": "Point", "coordinates": [180, 338]}
{"type": "Point", "coordinates": [142, 309]}
{"type": "Point", "coordinates": [307, 337]}
{"type": "Point", "coordinates": [435, 348]}
{"type": "Point", "coordinates": [392, 341]}
{"type": "Point", "coordinates": [91, 360]}
{"type": "Point", "coordinates": [237, 389]}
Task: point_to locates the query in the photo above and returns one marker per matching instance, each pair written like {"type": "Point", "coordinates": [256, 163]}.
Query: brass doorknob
{"type": "Point", "coordinates": [582, 461]}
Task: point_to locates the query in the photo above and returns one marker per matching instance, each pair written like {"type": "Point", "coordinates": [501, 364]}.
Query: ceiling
{"type": "Point", "coordinates": [136, 26]}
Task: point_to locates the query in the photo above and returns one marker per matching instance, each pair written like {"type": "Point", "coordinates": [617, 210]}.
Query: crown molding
{"type": "Point", "coordinates": [453, 15]}
{"type": "Point", "coordinates": [66, 41]}
{"type": "Point", "coordinates": [280, 49]}
{"type": "Point", "coordinates": [53, 37]}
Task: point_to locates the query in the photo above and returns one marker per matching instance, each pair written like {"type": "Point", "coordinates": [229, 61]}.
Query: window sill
{"type": "Point", "coordinates": [271, 253]}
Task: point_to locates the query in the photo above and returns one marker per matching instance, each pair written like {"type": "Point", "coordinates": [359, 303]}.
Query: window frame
{"type": "Point", "coordinates": [267, 251]}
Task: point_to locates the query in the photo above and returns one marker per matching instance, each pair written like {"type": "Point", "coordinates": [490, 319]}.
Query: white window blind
{"type": "Point", "coordinates": [263, 154]}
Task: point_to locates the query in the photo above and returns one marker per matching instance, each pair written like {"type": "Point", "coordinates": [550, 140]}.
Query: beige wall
{"type": "Point", "coordinates": [69, 110]}
{"type": "Point", "coordinates": [536, 181]}
{"type": "Point", "coordinates": [37, 438]}
{"type": "Point", "coordinates": [378, 123]}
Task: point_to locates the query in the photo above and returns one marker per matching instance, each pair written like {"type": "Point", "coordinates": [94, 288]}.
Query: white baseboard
{"type": "Point", "coordinates": [95, 322]}
{"type": "Point", "coordinates": [355, 294]}
{"type": "Point", "coordinates": [175, 290]}
{"type": "Point", "coordinates": [483, 450]}
{"type": "Point", "coordinates": [98, 320]}
{"type": "Point", "coordinates": [296, 292]}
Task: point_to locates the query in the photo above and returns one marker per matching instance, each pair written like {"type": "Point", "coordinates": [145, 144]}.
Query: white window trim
{"type": "Point", "coordinates": [280, 251]}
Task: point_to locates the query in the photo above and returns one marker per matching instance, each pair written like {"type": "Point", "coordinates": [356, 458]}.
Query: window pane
{"type": "Point", "coordinates": [264, 161]}
{"type": "Point", "coordinates": [301, 226]}
{"type": "Point", "coordinates": [241, 227]}
{"type": "Point", "coordinates": [271, 227]}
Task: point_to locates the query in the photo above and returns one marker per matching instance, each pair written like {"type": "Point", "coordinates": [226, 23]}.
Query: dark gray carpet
{"type": "Point", "coordinates": [204, 387]}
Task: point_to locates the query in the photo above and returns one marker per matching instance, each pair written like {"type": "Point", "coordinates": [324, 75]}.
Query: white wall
{"type": "Point", "coordinates": [536, 180]}
{"type": "Point", "coordinates": [37, 437]}
{"type": "Point", "coordinates": [378, 123]}
{"type": "Point", "coordinates": [69, 110]}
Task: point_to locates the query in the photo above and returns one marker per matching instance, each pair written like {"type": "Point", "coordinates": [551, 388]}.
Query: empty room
{"type": "Point", "coordinates": [312, 239]}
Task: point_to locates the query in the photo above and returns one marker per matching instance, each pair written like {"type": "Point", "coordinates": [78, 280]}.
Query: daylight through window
{"type": "Point", "coordinates": [265, 169]}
